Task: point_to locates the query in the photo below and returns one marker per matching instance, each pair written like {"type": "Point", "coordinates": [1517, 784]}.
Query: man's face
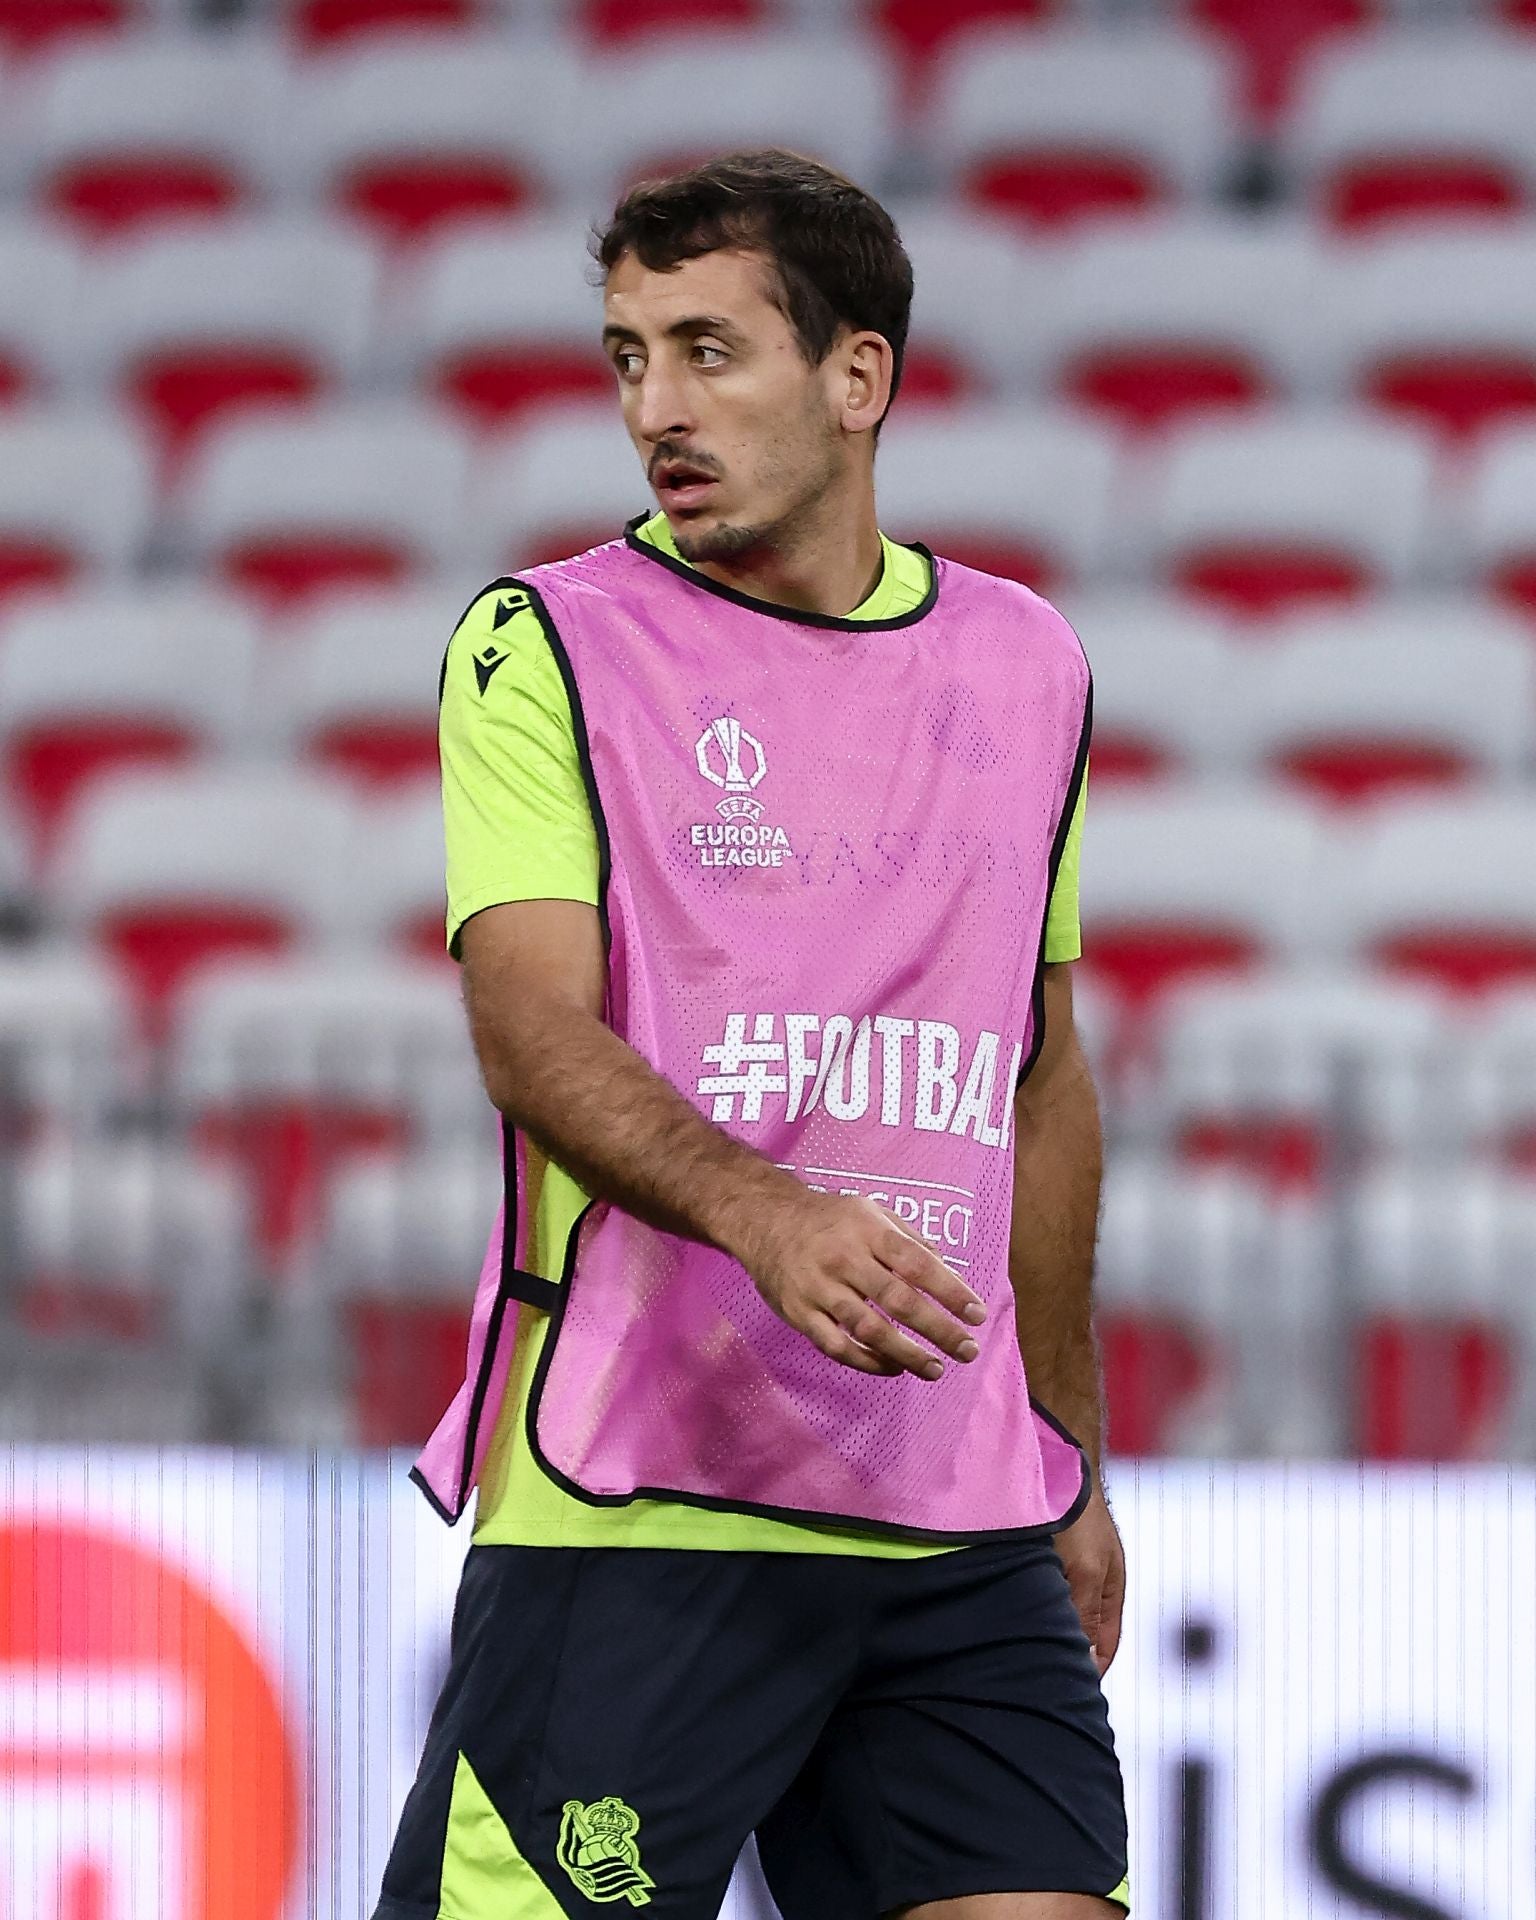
{"type": "Point", "coordinates": [739, 436]}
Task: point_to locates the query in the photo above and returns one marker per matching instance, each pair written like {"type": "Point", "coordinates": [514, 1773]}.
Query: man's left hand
{"type": "Point", "coordinates": [1091, 1552]}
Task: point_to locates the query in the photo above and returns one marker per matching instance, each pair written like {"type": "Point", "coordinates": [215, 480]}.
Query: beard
{"type": "Point", "coordinates": [717, 543]}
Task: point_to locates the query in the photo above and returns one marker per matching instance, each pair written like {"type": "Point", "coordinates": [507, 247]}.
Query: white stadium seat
{"type": "Point", "coordinates": [377, 725]}
{"type": "Point", "coordinates": [1030, 494]}
{"type": "Point", "coordinates": [1440, 325]}
{"type": "Point", "coordinates": [412, 131]}
{"type": "Point", "coordinates": [394, 893]}
{"type": "Point", "coordinates": [1055, 124]}
{"type": "Point", "coordinates": [95, 680]}
{"type": "Point", "coordinates": [973, 279]}
{"type": "Point", "coordinates": [171, 870]}
{"type": "Point", "coordinates": [1170, 686]}
{"type": "Point", "coordinates": [1200, 879]}
{"type": "Point", "coordinates": [1496, 518]}
{"type": "Point", "coordinates": [1152, 320]}
{"type": "Point", "coordinates": [151, 126]}
{"type": "Point", "coordinates": [499, 319]}
{"type": "Point", "coordinates": [567, 482]}
{"type": "Point", "coordinates": [343, 496]}
{"type": "Point", "coordinates": [40, 287]}
{"type": "Point", "coordinates": [1262, 515]}
{"type": "Point", "coordinates": [674, 100]}
{"type": "Point", "coordinates": [1493, 1093]}
{"type": "Point", "coordinates": [76, 496]}
{"type": "Point", "coordinates": [1443, 888]}
{"type": "Point", "coordinates": [1211, 1316]}
{"type": "Point", "coordinates": [1357, 705]}
{"type": "Point", "coordinates": [68, 1053]}
{"type": "Point", "coordinates": [190, 322]}
{"type": "Point", "coordinates": [1401, 123]}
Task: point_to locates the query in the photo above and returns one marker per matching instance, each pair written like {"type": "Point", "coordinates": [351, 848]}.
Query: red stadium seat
{"type": "Point", "coordinates": [377, 731]}
{"type": "Point", "coordinates": [29, 25]}
{"type": "Point", "coordinates": [924, 28]}
{"type": "Point", "coordinates": [1113, 122]}
{"type": "Point", "coordinates": [408, 1362]}
{"type": "Point", "coordinates": [1153, 1367]}
{"type": "Point", "coordinates": [1432, 1389]}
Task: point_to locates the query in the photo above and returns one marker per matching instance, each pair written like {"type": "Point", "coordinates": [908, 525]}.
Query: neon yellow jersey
{"type": "Point", "coordinates": [518, 826]}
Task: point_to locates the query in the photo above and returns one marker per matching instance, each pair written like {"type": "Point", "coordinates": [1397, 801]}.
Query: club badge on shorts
{"type": "Point", "coordinates": [599, 1851]}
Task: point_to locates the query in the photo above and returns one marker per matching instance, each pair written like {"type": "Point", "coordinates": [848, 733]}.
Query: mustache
{"type": "Point", "coordinates": [665, 450]}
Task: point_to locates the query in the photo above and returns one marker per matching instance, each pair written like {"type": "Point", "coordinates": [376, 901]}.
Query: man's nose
{"type": "Point", "coordinates": [664, 412]}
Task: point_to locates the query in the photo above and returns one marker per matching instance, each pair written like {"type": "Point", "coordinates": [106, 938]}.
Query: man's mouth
{"type": "Point", "coordinates": [680, 485]}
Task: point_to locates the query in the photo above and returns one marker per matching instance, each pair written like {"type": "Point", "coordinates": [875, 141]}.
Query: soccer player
{"type": "Point", "coordinates": [782, 1399]}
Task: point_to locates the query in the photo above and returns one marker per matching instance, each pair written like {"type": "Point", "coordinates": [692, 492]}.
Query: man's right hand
{"type": "Point", "coordinates": [842, 1270]}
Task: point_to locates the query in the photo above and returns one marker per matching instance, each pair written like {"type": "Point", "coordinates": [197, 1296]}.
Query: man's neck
{"type": "Point", "coordinates": [822, 573]}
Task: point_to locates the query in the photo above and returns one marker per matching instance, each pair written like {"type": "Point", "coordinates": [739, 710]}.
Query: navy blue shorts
{"type": "Point", "coordinates": [616, 1722]}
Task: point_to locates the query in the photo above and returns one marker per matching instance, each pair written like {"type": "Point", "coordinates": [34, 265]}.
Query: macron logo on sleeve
{"type": "Point", "coordinates": [488, 659]}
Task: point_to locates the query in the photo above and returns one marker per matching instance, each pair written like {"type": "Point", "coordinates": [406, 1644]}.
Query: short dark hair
{"type": "Point", "coordinates": [835, 250]}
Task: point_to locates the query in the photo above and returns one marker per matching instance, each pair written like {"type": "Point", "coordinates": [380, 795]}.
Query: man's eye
{"type": "Point", "coordinates": [718, 352]}
{"type": "Point", "coordinates": [628, 364]}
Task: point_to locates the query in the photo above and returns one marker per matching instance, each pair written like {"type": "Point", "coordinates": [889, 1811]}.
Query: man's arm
{"type": "Point", "coordinates": [839, 1269]}
{"type": "Point", "coordinates": [1058, 1169]}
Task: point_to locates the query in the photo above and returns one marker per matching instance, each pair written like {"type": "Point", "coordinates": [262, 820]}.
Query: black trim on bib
{"type": "Point", "coordinates": [840, 622]}
{"type": "Point", "coordinates": [1058, 848]}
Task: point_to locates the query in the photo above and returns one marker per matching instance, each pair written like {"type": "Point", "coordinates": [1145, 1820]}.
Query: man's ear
{"type": "Point", "coordinates": [866, 369]}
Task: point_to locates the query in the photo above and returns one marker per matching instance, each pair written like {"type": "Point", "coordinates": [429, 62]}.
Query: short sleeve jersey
{"type": "Point", "coordinates": [518, 826]}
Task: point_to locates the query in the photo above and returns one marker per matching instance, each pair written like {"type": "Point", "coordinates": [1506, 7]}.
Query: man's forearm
{"type": "Point", "coordinates": [1058, 1170]}
{"type": "Point", "coordinates": [621, 1129]}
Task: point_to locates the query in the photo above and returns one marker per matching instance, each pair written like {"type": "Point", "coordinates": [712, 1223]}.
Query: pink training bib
{"type": "Point", "coordinates": [828, 851]}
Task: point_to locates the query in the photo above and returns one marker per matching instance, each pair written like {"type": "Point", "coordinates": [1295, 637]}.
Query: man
{"type": "Point", "coordinates": [761, 867]}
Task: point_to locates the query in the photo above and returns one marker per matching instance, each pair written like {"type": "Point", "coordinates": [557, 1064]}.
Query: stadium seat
{"type": "Point", "coordinates": [973, 277]}
{"type": "Point", "coordinates": [500, 320]}
{"type": "Point", "coordinates": [567, 482]}
{"type": "Point", "coordinates": [76, 497]}
{"type": "Point", "coordinates": [672, 102]}
{"type": "Point", "coordinates": [1209, 1315]}
{"type": "Point", "coordinates": [69, 1059]}
{"type": "Point", "coordinates": [1497, 518]}
{"type": "Point", "coordinates": [1054, 127]}
{"type": "Point", "coordinates": [1275, 44]}
{"type": "Point", "coordinates": [1356, 707]}
{"type": "Point", "coordinates": [404, 1247]}
{"type": "Point", "coordinates": [193, 324]}
{"type": "Point", "coordinates": [1494, 1084]}
{"type": "Point", "coordinates": [1442, 1274]}
{"type": "Point", "coordinates": [1197, 880]}
{"type": "Point", "coordinates": [608, 21]}
{"type": "Point", "coordinates": [346, 496]}
{"type": "Point", "coordinates": [168, 871]}
{"type": "Point", "coordinates": [1156, 320]}
{"type": "Point", "coordinates": [33, 26]}
{"type": "Point", "coordinates": [1400, 124]}
{"type": "Point", "coordinates": [925, 29]}
{"type": "Point", "coordinates": [394, 891]}
{"type": "Point", "coordinates": [95, 681]}
{"type": "Point", "coordinates": [39, 300]}
{"type": "Point", "coordinates": [1295, 1074]}
{"type": "Point", "coordinates": [377, 727]}
{"type": "Point", "coordinates": [1266, 516]}
{"type": "Point", "coordinates": [127, 1244]}
{"type": "Point", "coordinates": [290, 1070]}
{"type": "Point", "coordinates": [411, 134]}
{"type": "Point", "coordinates": [154, 127]}
{"type": "Point", "coordinates": [1169, 687]}
{"type": "Point", "coordinates": [1441, 326]}
{"type": "Point", "coordinates": [1441, 889]}
{"type": "Point", "coordinates": [324, 22]}
{"type": "Point", "coordinates": [1025, 494]}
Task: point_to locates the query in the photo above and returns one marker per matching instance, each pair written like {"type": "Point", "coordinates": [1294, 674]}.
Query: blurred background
{"type": "Point", "coordinates": [1225, 338]}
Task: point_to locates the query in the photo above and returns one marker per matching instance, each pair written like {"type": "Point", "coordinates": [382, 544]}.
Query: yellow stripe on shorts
{"type": "Point", "coordinates": [485, 1876]}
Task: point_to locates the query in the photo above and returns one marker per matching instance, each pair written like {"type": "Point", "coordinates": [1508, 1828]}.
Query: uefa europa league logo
{"type": "Point", "coordinates": [728, 737]}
